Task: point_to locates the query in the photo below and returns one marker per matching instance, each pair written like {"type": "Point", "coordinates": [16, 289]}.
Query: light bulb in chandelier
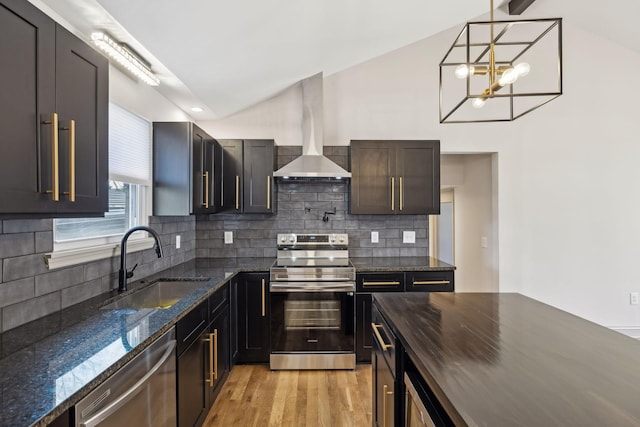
{"type": "Point", "coordinates": [478, 102]}
{"type": "Point", "coordinates": [462, 71]}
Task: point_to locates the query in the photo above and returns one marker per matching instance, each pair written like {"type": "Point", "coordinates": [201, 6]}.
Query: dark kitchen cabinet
{"type": "Point", "coordinates": [430, 281]}
{"type": "Point", "coordinates": [218, 343]}
{"type": "Point", "coordinates": [253, 318]}
{"type": "Point", "coordinates": [247, 176]}
{"type": "Point", "coordinates": [365, 284]}
{"type": "Point", "coordinates": [53, 117]}
{"type": "Point", "coordinates": [386, 399]}
{"type": "Point", "coordinates": [193, 367]}
{"type": "Point", "coordinates": [395, 177]}
{"type": "Point", "coordinates": [186, 170]}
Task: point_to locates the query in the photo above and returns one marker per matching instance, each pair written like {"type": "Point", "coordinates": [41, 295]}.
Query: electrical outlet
{"type": "Point", "coordinates": [634, 298]}
{"type": "Point", "coordinates": [228, 237]}
{"type": "Point", "coordinates": [178, 241]}
{"type": "Point", "coordinates": [408, 237]}
{"type": "Point", "coordinates": [484, 242]}
{"type": "Point", "coordinates": [374, 237]}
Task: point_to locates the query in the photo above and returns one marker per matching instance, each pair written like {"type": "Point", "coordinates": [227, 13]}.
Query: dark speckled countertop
{"type": "Point", "coordinates": [48, 365]}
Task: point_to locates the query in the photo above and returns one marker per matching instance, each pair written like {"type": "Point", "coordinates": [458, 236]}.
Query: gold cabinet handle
{"type": "Point", "coordinates": [211, 340]}
{"type": "Point", "coordinates": [268, 192]}
{"type": "Point", "coordinates": [384, 346]}
{"type": "Point", "coordinates": [264, 310]}
{"type": "Point", "coordinates": [55, 182]}
{"type": "Point", "coordinates": [401, 193]}
{"type": "Point", "coordinates": [72, 160]}
{"type": "Point", "coordinates": [206, 189]}
{"type": "Point", "coordinates": [393, 192]}
{"type": "Point", "coordinates": [215, 354]}
{"type": "Point", "coordinates": [237, 192]}
{"type": "Point", "coordinates": [431, 282]}
{"type": "Point", "coordinates": [390, 283]}
{"type": "Point", "coordinates": [385, 393]}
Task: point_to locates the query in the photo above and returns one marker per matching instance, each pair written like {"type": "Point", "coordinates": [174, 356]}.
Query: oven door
{"type": "Point", "coordinates": [317, 320]}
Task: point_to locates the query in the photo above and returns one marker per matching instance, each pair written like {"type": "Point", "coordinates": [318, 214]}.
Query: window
{"type": "Point", "coordinates": [85, 239]}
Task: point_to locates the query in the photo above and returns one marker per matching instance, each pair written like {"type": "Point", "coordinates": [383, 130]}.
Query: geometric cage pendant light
{"type": "Point", "coordinates": [501, 70]}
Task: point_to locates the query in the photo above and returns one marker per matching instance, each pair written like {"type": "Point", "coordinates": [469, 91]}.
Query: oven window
{"type": "Point", "coordinates": [302, 314]}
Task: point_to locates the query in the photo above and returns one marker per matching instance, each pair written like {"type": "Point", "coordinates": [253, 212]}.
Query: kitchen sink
{"type": "Point", "coordinates": [161, 294]}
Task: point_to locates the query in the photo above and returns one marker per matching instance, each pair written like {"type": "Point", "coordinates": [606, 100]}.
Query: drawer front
{"type": "Point", "coordinates": [380, 282]}
{"type": "Point", "coordinates": [383, 339]}
{"type": "Point", "coordinates": [430, 281]}
{"type": "Point", "coordinates": [189, 327]}
{"type": "Point", "coordinates": [218, 300]}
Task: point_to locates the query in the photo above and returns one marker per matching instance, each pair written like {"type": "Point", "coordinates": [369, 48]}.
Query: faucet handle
{"type": "Point", "coordinates": [130, 273]}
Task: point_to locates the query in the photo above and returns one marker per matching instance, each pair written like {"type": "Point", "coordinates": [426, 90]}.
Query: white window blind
{"type": "Point", "coordinates": [129, 147]}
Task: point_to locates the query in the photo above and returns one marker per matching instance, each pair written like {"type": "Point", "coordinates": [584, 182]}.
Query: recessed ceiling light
{"type": "Point", "coordinates": [197, 109]}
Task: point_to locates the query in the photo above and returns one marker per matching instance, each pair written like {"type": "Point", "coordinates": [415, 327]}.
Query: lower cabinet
{"type": "Point", "coordinates": [203, 357]}
{"type": "Point", "coordinates": [410, 281]}
{"type": "Point", "coordinates": [253, 318]}
{"type": "Point", "coordinates": [384, 367]}
{"type": "Point", "coordinates": [192, 335]}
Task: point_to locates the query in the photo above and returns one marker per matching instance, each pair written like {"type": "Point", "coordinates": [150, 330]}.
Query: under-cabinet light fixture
{"type": "Point", "coordinates": [480, 76]}
{"type": "Point", "coordinates": [125, 57]}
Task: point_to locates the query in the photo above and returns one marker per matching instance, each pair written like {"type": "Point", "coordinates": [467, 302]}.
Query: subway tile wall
{"type": "Point", "coordinates": [29, 290]}
{"type": "Point", "coordinates": [301, 207]}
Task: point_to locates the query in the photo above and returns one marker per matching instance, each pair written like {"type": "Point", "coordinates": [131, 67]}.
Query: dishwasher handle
{"type": "Point", "coordinates": [130, 393]}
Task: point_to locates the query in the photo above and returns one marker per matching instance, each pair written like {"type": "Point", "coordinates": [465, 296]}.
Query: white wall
{"type": "Point", "coordinates": [565, 175]}
{"type": "Point", "coordinates": [476, 266]}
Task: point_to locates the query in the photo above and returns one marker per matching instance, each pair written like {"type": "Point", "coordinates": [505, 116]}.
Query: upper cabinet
{"type": "Point", "coordinates": [186, 170]}
{"type": "Point", "coordinates": [247, 176]}
{"type": "Point", "coordinates": [53, 117]}
{"type": "Point", "coordinates": [395, 177]}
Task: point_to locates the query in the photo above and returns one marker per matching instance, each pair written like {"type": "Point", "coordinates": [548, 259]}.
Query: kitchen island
{"type": "Point", "coordinates": [505, 360]}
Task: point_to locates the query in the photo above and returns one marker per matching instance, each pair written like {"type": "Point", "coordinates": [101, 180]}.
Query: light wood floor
{"type": "Point", "coordinates": [255, 396]}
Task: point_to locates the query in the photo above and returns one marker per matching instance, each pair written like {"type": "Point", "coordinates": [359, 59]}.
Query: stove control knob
{"type": "Point", "coordinates": [341, 239]}
{"type": "Point", "coordinates": [292, 239]}
{"type": "Point", "coordinates": [283, 239]}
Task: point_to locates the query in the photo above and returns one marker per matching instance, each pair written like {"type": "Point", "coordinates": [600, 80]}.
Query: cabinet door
{"type": "Point", "coordinates": [253, 318]}
{"type": "Point", "coordinates": [231, 180]}
{"type": "Point", "coordinates": [82, 93]}
{"type": "Point", "coordinates": [202, 171]}
{"type": "Point", "coordinates": [418, 177]}
{"type": "Point", "coordinates": [383, 392]}
{"type": "Point", "coordinates": [363, 328]}
{"type": "Point", "coordinates": [27, 49]}
{"type": "Point", "coordinates": [373, 183]}
{"type": "Point", "coordinates": [219, 336]}
{"type": "Point", "coordinates": [192, 388]}
{"type": "Point", "coordinates": [258, 188]}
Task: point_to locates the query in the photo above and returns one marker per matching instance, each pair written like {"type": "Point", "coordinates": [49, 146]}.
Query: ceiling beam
{"type": "Point", "coordinates": [516, 7]}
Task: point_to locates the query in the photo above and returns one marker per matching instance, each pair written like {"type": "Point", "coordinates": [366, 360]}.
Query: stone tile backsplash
{"type": "Point", "coordinates": [301, 206]}
{"type": "Point", "coordinates": [29, 290]}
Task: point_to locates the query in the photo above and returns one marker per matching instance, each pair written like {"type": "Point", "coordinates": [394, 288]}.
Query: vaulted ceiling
{"type": "Point", "coordinates": [226, 56]}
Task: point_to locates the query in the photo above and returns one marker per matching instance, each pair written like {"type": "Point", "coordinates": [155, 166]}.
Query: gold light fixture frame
{"type": "Point", "coordinates": [515, 37]}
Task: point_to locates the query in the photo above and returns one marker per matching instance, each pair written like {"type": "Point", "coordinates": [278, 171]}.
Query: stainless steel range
{"type": "Point", "coordinates": [312, 285]}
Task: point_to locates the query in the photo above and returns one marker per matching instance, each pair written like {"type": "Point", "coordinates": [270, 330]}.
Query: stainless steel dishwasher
{"type": "Point", "coordinates": [141, 393]}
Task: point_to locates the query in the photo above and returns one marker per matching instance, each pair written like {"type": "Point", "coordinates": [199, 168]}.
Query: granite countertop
{"type": "Point", "coordinates": [367, 265]}
{"type": "Point", "coordinates": [48, 365]}
{"type": "Point", "coordinates": [505, 360]}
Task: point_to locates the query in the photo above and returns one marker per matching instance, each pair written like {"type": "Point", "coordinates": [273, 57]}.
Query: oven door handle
{"type": "Point", "coordinates": [306, 287]}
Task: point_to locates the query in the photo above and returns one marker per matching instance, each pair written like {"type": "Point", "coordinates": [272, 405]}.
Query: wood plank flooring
{"type": "Point", "coordinates": [253, 395]}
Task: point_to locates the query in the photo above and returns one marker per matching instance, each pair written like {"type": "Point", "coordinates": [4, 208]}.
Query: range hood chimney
{"type": "Point", "coordinates": [312, 164]}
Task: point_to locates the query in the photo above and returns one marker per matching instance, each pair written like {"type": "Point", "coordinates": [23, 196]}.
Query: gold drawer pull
{"type": "Point", "coordinates": [401, 194]}
{"type": "Point", "coordinates": [212, 344]}
{"type": "Point", "coordinates": [206, 189]}
{"type": "Point", "coordinates": [55, 182]}
{"type": "Point", "coordinates": [389, 283]}
{"type": "Point", "coordinates": [237, 192]}
{"type": "Point", "coordinates": [431, 282]}
{"type": "Point", "coordinates": [384, 346]}
{"type": "Point", "coordinates": [264, 292]}
{"type": "Point", "coordinates": [268, 192]}
{"type": "Point", "coordinates": [393, 194]}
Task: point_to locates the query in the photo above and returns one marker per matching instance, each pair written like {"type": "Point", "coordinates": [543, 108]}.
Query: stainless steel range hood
{"type": "Point", "coordinates": [312, 164]}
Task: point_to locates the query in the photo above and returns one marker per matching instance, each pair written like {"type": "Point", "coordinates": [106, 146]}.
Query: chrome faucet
{"type": "Point", "coordinates": [123, 274]}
